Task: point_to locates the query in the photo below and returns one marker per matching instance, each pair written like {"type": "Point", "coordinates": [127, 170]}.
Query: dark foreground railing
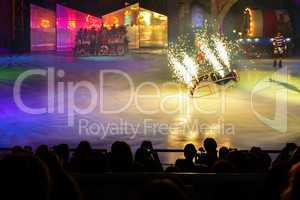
{"type": "Point", "coordinates": [157, 150]}
{"type": "Point", "coordinates": [165, 154]}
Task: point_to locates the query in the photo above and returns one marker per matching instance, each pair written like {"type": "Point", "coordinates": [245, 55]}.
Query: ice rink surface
{"type": "Point", "coordinates": [261, 110]}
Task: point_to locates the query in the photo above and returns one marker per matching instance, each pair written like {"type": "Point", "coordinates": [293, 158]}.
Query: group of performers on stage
{"type": "Point", "coordinates": [103, 42]}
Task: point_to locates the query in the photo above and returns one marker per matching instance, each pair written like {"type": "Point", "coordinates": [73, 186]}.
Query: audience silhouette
{"type": "Point", "coordinates": [48, 173]}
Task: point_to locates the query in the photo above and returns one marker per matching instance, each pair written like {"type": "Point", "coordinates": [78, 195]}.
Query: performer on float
{"type": "Point", "coordinates": [200, 60]}
{"type": "Point", "coordinates": [279, 49]}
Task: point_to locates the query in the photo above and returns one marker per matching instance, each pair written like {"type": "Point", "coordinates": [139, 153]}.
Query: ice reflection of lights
{"type": "Point", "coordinates": [182, 120]}
{"type": "Point", "coordinates": [256, 39]}
{"type": "Point", "coordinates": [193, 135]}
{"type": "Point", "coordinates": [255, 76]}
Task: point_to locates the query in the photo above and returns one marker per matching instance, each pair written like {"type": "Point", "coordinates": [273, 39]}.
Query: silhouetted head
{"type": "Point", "coordinates": [17, 149]}
{"type": "Point", "coordinates": [121, 156]}
{"type": "Point", "coordinates": [223, 153]}
{"type": "Point", "coordinates": [51, 160]}
{"type": "Point", "coordinates": [84, 147]}
{"type": "Point", "coordinates": [163, 189]}
{"type": "Point", "coordinates": [147, 145]}
{"type": "Point", "coordinates": [255, 150]}
{"type": "Point", "coordinates": [63, 151]}
{"type": "Point", "coordinates": [190, 151]}
{"type": "Point", "coordinates": [287, 152]}
{"type": "Point", "coordinates": [28, 149]}
{"type": "Point", "coordinates": [142, 155]}
{"type": "Point", "coordinates": [41, 150]}
{"type": "Point", "coordinates": [210, 145]}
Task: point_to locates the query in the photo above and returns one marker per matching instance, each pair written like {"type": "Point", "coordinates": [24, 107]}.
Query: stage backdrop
{"type": "Point", "coordinates": [145, 28]}
{"type": "Point", "coordinates": [42, 29]}
{"type": "Point", "coordinates": [69, 21]}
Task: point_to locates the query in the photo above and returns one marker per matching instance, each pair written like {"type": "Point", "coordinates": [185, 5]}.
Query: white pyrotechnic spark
{"type": "Point", "coordinates": [214, 47]}
{"type": "Point", "coordinates": [180, 71]}
{"type": "Point", "coordinates": [190, 65]}
{"type": "Point", "coordinates": [210, 57]}
{"type": "Point", "coordinates": [223, 53]}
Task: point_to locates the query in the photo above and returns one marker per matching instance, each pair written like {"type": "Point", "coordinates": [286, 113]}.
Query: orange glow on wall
{"type": "Point", "coordinates": [115, 20]}
{"type": "Point", "coordinates": [45, 23]}
{"type": "Point", "coordinates": [250, 32]}
{"type": "Point", "coordinates": [71, 24]}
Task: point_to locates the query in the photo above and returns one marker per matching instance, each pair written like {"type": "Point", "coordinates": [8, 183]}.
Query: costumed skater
{"type": "Point", "coordinates": [279, 49]}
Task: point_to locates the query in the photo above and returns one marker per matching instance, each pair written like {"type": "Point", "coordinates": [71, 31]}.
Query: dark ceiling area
{"type": "Point", "coordinates": [101, 7]}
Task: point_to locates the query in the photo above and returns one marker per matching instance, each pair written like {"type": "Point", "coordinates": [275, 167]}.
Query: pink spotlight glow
{"type": "Point", "coordinates": [69, 21]}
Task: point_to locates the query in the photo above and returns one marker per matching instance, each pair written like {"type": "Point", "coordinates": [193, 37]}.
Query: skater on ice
{"type": "Point", "coordinates": [279, 49]}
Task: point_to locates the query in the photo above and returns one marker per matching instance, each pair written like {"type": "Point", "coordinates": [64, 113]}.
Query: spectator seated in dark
{"type": "Point", "coordinates": [41, 151]}
{"type": "Point", "coordinates": [64, 187]}
{"type": "Point", "coordinates": [292, 191]}
{"type": "Point", "coordinates": [239, 161]}
{"type": "Point", "coordinates": [223, 166]}
{"type": "Point", "coordinates": [28, 149]}
{"type": "Point", "coordinates": [18, 150]}
{"type": "Point", "coordinates": [276, 180]}
{"type": "Point", "coordinates": [121, 158]}
{"type": "Point", "coordinates": [146, 159]}
{"type": "Point", "coordinates": [162, 190]}
{"type": "Point", "coordinates": [209, 157]}
{"type": "Point", "coordinates": [86, 160]}
{"type": "Point", "coordinates": [187, 164]}
{"type": "Point", "coordinates": [223, 153]}
{"type": "Point", "coordinates": [63, 152]}
{"type": "Point", "coordinates": [286, 153]}
{"type": "Point", "coordinates": [295, 156]}
{"type": "Point", "coordinates": [24, 177]}
{"type": "Point", "coordinates": [260, 162]}
{"type": "Point", "coordinates": [148, 145]}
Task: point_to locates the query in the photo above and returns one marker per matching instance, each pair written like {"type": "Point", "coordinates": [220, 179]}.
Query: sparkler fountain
{"type": "Point", "coordinates": [207, 59]}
